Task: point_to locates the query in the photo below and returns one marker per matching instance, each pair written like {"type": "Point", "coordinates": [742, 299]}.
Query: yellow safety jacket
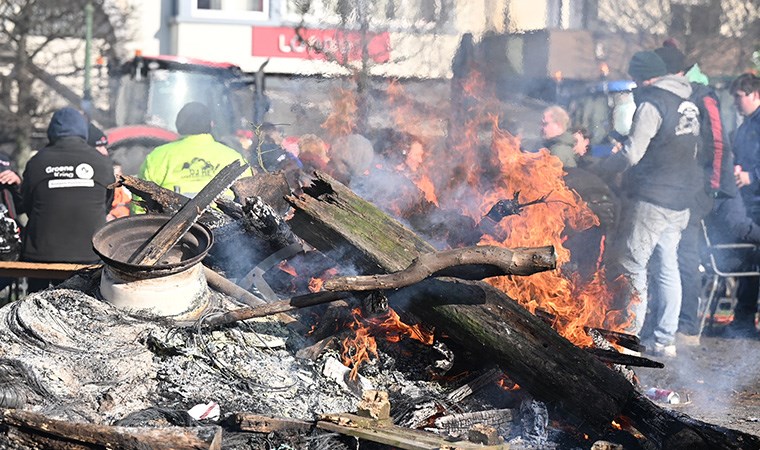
{"type": "Point", "coordinates": [185, 166]}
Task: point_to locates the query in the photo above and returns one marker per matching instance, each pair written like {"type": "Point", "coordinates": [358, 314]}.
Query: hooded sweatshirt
{"type": "Point", "coordinates": [660, 154]}
{"type": "Point", "coordinates": [65, 194]}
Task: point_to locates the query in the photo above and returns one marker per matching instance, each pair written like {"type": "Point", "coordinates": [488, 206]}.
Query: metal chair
{"type": "Point", "coordinates": [718, 275]}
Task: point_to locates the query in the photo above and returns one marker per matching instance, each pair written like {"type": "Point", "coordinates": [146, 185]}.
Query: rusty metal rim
{"type": "Point", "coordinates": [133, 230]}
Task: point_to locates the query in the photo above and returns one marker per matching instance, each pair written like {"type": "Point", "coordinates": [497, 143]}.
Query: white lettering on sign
{"type": "Point", "coordinates": [295, 44]}
{"type": "Point", "coordinates": [59, 169]}
{"type": "Point", "coordinates": [58, 184]}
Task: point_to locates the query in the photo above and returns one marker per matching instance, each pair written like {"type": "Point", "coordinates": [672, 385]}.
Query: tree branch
{"type": "Point", "coordinates": [471, 263]}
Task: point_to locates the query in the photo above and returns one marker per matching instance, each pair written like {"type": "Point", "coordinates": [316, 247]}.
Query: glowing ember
{"type": "Point", "coordinates": [315, 284]}
{"type": "Point", "coordinates": [507, 384]}
{"type": "Point", "coordinates": [287, 268]}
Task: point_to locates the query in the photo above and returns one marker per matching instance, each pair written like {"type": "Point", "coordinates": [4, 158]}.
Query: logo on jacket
{"type": "Point", "coordinates": [688, 123]}
{"type": "Point", "coordinates": [199, 167]}
{"type": "Point", "coordinates": [84, 171]}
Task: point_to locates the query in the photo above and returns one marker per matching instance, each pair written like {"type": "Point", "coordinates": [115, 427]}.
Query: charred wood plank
{"type": "Point", "coordinates": [466, 263]}
{"type": "Point", "coordinates": [282, 306]}
{"type": "Point", "coordinates": [257, 423]}
{"type": "Point", "coordinates": [172, 231]}
{"type": "Point", "coordinates": [272, 187]}
{"type": "Point", "coordinates": [615, 357]}
{"type": "Point", "coordinates": [481, 381]}
{"type": "Point", "coordinates": [56, 271]}
{"type": "Point", "coordinates": [155, 199]}
{"type": "Point", "coordinates": [626, 340]}
{"type": "Point", "coordinates": [395, 436]}
{"type": "Point", "coordinates": [459, 424]}
{"type": "Point", "coordinates": [330, 216]}
{"type": "Point", "coordinates": [38, 431]}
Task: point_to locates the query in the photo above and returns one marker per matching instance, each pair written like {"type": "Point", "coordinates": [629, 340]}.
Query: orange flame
{"type": "Point", "coordinates": [507, 384]}
{"type": "Point", "coordinates": [342, 119]}
{"type": "Point", "coordinates": [315, 284]}
{"type": "Point", "coordinates": [604, 69]}
{"type": "Point", "coordinates": [287, 268]}
{"type": "Point", "coordinates": [359, 347]}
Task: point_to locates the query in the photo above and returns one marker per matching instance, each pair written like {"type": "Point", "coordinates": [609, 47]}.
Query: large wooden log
{"type": "Point", "coordinates": [329, 216]}
{"type": "Point", "coordinates": [477, 316]}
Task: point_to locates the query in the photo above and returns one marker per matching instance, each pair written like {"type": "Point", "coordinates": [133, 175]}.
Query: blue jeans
{"type": "Point", "coordinates": [645, 229]}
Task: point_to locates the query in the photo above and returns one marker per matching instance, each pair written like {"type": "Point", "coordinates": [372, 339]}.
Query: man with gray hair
{"type": "Point", "coordinates": [660, 177]}
{"type": "Point", "coordinates": [557, 139]}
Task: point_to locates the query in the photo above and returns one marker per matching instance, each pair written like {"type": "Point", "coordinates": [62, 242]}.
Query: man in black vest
{"type": "Point", "coordinates": [717, 162]}
{"type": "Point", "coordinates": [660, 177]}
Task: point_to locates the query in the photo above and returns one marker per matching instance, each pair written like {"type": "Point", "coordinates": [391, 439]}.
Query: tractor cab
{"type": "Point", "coordinates": [150, 91]}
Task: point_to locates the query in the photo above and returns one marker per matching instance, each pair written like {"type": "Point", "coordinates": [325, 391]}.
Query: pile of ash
{"type": "Point", "coordinates": [68, 355]}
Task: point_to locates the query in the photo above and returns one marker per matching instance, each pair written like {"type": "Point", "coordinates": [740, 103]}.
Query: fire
{"type": "Point", "coordinates": [575, 304]}
{"type": "Point", "coordinates": [359, 347]}
{"type": "Point", "coordinates": [362, 345]}
{"type": "Point", "coordinates": [604, 69]}
{"type": "Point", "coordinates": [507, 384]}
{"type": "Point", "coordinates": [287, 268]}
{"type": "Point", "coordinates": [315, 284]}
{"type": "Point", "coordinates": [342, 119]}
{"type": "Point", "coordinates": [465, 188]}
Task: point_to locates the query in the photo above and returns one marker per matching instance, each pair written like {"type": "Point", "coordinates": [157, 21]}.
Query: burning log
{"type": "Point", "coordinates": [472, 263]}
{"type": "Point", "coordinates": [30, 430]}
{"type": "Point", "coordinates": [483, 319]}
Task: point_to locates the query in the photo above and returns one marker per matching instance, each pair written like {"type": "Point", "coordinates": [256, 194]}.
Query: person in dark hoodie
{"type": "Point", "coordinates": [65, 196]}
{"type": "Point", "coordinates": [716, 161]}
{"type": "Point", "coordinates": [658, 160]}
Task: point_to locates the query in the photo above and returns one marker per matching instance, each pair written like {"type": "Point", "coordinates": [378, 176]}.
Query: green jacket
{"type": "Point", "coordinates": [562, 147]}
{"type": "Point", "coordinates": [188, 164]}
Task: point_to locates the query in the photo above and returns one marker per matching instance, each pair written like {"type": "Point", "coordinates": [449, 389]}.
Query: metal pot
{"type": "Point", "coordinates": [174, 287]}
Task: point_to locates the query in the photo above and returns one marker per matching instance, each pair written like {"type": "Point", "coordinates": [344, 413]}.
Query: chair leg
{"type": "Point", "coordinates": [709, 300]}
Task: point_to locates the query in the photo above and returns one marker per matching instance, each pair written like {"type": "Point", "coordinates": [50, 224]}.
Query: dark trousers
{"type": "Point", "coordinates": [746, 301]}
{"type": "Point", "coordinates": [691, 278]}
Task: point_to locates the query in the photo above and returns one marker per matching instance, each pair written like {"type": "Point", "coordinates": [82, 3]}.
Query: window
{"type": "Point", "coordinates": [231, 9]}
{"type": "Point", "coordinates": [383, 14]}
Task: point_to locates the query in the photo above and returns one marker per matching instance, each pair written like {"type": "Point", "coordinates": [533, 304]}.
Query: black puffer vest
{"type": "Point", "coordinates": [668, 174]}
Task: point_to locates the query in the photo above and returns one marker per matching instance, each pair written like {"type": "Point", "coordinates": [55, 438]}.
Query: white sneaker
{"type": "Point", "coordinates": [666, 351]}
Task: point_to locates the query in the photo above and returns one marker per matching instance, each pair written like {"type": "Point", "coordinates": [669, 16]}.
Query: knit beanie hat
{"type": "Point", "coordinates": [646, 65]}
{"type": "Point", "coordinates": [193, 118]}
{"type": "Point", "coordinates": [96, 137]}
{"type": "Point", "coordinates": [672, 57]}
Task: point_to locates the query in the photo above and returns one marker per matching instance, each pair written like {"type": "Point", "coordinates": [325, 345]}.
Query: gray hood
{"type": "Point", "coordinates": [677, 84]}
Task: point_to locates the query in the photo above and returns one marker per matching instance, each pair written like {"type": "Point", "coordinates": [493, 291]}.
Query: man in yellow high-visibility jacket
{"type": "Point", "coordinates": [185, 166]}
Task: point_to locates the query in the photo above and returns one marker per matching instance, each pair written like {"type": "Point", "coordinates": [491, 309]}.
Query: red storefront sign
{"type": "Point", "coordinates": [283, 42]}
